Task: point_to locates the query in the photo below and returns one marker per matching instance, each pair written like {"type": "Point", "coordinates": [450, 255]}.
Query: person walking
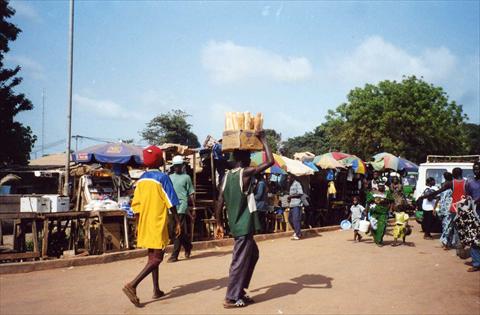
{"type": "Point", "coordinates": [428, 207]}
{"type": "Point", "coordinates": [379, 203]}
{"type": "Point", "coordinates": [261, 198]}
{"type": "Point", "coordinates": [182, 183]}
{"type": "Point", "coordinates": [444, 213]}
{"type": "Point", "coordinates": [472, 189]}
{"type": "Point", "coordinates": [457, 185]}
{"type": "Point", "coordinates": [154, 195]}
{"type": "Point", "coordinates": [295, 199]}
{"type": "Point", "coordinates": [243, 222]}
{"type": "Point", "coordinates": [357, 211]}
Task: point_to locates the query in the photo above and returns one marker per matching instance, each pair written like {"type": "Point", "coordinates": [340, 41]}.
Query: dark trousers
{"type": "Point", "coordinates": [244, 258]}
{"type": "Point", "coordinates": [183, 239]}
{"type": "Point", "coordinates": [427, 222]}
{"type": "Point", "coordinates": [295, 219]}
{"type": "Point", "coordinates": [262, 217]}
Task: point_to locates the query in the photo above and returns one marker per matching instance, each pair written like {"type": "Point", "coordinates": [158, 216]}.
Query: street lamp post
{"type": "Point", "coordinates": [69, 106]}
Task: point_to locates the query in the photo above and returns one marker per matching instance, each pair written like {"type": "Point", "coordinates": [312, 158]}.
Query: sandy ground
{"type": "Point", "coordinates": [327, 274]}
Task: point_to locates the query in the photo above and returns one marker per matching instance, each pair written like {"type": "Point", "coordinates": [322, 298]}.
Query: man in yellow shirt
{"type": "Point", "coordinates": [154, 195]}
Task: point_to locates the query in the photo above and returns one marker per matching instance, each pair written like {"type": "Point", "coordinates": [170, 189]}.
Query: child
{"type": "Point", "coordinates": [356, 213]}
{"type": "Point", "coordinates": [400, 229]}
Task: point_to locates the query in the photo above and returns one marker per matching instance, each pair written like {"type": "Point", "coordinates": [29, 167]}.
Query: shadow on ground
{"type": "Point", "coordinates": [295, 285]}
{"type": "Point", "coordinates": [192, 288]}
{"type": "Point", "coordinates": [210, 254]}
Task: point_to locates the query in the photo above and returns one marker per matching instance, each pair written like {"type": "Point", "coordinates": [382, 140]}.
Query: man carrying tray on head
{"type": "Point", "coordinates": [243, 222]}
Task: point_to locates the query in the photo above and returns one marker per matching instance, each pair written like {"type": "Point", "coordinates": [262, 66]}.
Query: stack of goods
{"type": "Point", "coordinates": [240, 131]}
{"type": "Point", "coordinates": [243, 121]}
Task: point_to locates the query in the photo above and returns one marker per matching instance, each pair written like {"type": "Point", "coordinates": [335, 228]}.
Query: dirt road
{"type": "Point", "coordinates": [327, 274]}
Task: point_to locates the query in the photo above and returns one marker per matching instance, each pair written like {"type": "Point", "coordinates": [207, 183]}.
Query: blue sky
{"type": "Point", "coordinates": [293, 61]}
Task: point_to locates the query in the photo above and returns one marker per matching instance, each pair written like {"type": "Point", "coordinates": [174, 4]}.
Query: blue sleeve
{"type": "Point", "coordinates": [169, 190]}
{"type": "Point", "coordinates": [260, 191]}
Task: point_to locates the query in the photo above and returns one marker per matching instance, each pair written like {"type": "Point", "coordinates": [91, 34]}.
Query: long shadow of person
{"type": "Point", "coordinates": [191, 288]}
{"type": "Point", "coordinates": [309, 281]}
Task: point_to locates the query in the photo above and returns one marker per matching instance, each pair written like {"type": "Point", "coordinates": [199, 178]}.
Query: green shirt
{"type": "Point", "coordinates": [184, 188]}
{"type": "Point", "coordinates": [379, 202]}
{"type": "Point", "coordinates": [240, 220]}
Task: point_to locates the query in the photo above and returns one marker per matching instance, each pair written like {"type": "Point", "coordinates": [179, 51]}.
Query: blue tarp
{"type": "Point", "coordinates": [116, 153]}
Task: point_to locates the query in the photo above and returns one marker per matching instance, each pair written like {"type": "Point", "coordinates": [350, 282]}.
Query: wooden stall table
{"type": "Point", "coordinates": [63, 219]}
{"type": "Point", "coordinates": [113, 229]}
{"type": "Point", "coordinates": [21, 219]}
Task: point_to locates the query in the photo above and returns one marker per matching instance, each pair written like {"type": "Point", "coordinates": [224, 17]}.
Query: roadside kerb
{"type": "Point", "coordinates": [23, 267]}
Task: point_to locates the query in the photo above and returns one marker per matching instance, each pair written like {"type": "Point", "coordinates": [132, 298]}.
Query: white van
{"type": "Point", "coordinates": [436, 165]}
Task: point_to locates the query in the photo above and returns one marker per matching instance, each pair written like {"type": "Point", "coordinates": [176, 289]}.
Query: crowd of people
{"type": "Point", "coordinates": [458, 204]}
{"type": "Point", "coordinates": [245, 198]}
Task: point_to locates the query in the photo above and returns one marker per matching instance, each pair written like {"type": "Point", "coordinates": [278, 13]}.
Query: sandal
{"type": "Point", "coordinates": [131, 294]}
{"type": "Point", "coordinates": [247, 299]}
{"type": "Point", "coordinates": [234, 304]}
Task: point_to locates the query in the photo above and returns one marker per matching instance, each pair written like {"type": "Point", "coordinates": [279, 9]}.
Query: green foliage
{"type": "Point", "coordinates": [410, 118]}
{"type": "Point", "coordinates": [171, 127]}
{"type": "Point", "coordinates": [316, 142]}
{"type": "Point", "coordinates": [473, 136]}
{"type": "Point", "coordinates": [274, 139]}
{"type": "Point", "coordinates": [16, 140]}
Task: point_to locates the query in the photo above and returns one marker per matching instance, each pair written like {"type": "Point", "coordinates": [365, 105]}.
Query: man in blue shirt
{"type": "Point", "coordinates": [261, 200]}
{"type": "Point", "coordinates": [295, 198]}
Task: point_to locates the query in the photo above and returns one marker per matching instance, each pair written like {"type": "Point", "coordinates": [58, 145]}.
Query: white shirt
{"type": "Point", "coordinates": [428, 205]}
{"type": "Point", "coordinates": [357, 211]}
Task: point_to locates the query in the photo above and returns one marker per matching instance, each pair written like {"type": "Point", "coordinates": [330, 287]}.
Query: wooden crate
{"type": "Point", "coordinates": [241, 140]}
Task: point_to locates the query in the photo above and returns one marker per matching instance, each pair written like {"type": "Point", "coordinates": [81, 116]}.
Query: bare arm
{"type": "Point", "coordinates": [430, 196]}
{"type": "Point", "coordinates": [219, 212]}
{"type": "Point", "coordinates": [177, 220]}
{"type": "Point", "coordinates": [252, 171]}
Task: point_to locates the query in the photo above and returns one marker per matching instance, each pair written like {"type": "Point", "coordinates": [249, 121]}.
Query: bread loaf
{"type": "Point", "coordinates": [258, 123]}
{"type": "Point", "coordinates": [243, 121]}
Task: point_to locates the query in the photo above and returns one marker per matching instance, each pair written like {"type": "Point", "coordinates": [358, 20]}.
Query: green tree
{"type": "Point", "coordinates": [316, 142]}
{"type": "Point", "coordinates": [171, 127]}
{"type": "Point", "coordinates": [16, 139]}
{"type": "Point", "coordinates": [274, 139]}
{"type": "Point", "coordinates": [473, 138]}
{"type": "Point", "coordinates": [411, 118]}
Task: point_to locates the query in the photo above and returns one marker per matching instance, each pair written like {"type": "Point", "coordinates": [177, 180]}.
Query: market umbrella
{"type": "Point", "coordinates": [387, 160]}
{"type": "Point", "coordinates": [279, 167]}
{"type": "Point", "coordinates": [355, 163]}
{"type": "Point", "coordinates": [115, 153]}
{"type": "Point", "coordinates": [311, 165]}
{"type": "Point", "coordinates": [330, 160]}
{"type": "Point", "coordinates": [297, 168]}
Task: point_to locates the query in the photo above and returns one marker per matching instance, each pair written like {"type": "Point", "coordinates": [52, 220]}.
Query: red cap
{"type": "Point", "coordinates": [152, 156]}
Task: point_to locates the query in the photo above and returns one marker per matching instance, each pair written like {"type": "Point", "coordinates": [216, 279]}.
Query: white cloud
{"type": "Point", "coordinates": [105, 108]}
{"type": "Point", "coordinates": [28, 65]}
{"type": "Point", "coordinates": [376, 59]}
{"type": "Point", "coordinates": [228, 62]}
{"type": "Point", "coordinates": [24, 9]}
{"type": "Point", "coordinates": [279, 11]}
{"type": "Point", "coordinates": [266, 11]}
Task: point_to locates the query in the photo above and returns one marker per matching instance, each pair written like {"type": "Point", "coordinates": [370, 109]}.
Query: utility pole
{"type": "Point", "coordinates": [43, 122]}
{"type": "Point", "coordinates": [69, 107]}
